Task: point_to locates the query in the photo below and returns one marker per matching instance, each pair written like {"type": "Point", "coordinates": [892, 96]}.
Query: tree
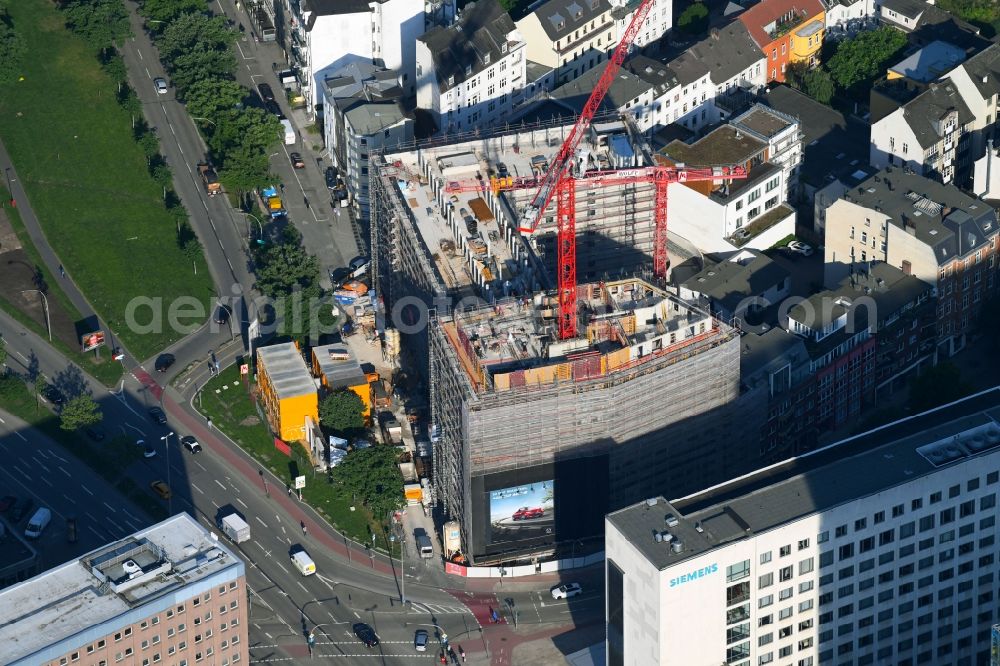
{"type": "Point", "coordinates": [200, 64]}
{"type": "Point", "coordinates": [159, 12]}
{"type": "Point", "coordinates": [214, 97]}
{"type": "Point", "coordinates": [862, 58]}
{"type": "Point", "coordinates": [253, 130]}
{"type": "Point", "coordinates": [102, 23]}
{"type": "Point", "coordinates": [372, 475]}
{"type": "Point", "coordinates": [3, 356]}
{"type": "Point", "coordinates": [975, 11]}
{"type": "Point", "coordinates": [78, 412]}
{"type": "Point", "coordinates": [694, 19]}
{"type": "Point", "coordinates": [342, 411]}
{"type": "Point", "coordinates": [818, 85]}
{"type": "Point", "coordinates": [936, 386]}
{"type": "Point", "coordinates": [195, 32]}
{"type": "Point", "coordinates": [12, 48]}
{"type": "Point", "coordinates": [285, 266]}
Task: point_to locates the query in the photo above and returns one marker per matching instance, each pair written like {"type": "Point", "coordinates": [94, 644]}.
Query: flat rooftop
{"type": "Point", "coordinates": [286, 370]}
{"type": "Point", "coordinates": [723, 146]}
{"type": "Point", "coordinates": [621, 324]}
{"type": "Point", "coordinates": [856, 467]}
{"type": "Point", "coordinates": [149, 566]}
{"type": "Point", "coordinates": [339, 366]}
{"type": "Point", "coordinates": [929, 63]}
{"type": "Point", "coordinates": [764, 121]}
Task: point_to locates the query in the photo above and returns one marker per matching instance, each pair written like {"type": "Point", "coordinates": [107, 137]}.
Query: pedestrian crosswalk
{"type": "Point", "coordinates": [437, 609]}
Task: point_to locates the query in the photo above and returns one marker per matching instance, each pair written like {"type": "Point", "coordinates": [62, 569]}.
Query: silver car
{"type": "Point", "coordinates": [161, 85]}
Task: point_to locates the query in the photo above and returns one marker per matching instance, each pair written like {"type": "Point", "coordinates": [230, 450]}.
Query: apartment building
{"type": "Point", "coordinates": [978, 82]}
{"type": "Point", "coordinates": [364, 113]}
{"type": "Point", "coordinates": [571, 37]}
{"type": "Point", "coordinates": [842, 15]}
{"type": "Point", "coordinates": [928, 134]}
{"type": "Point", "coordinates": [786, 32]}
{"type": "Point", "coordinates": [782, 134]}
{"type": "Point", "coordinates": [927, 229]}
{"type": "Point", "coordinates": [287, 391]}
{"type": "Point", "coordinates": [325, 35]}
{"type": "Point", "coordinates": [747, 213]}
{"type": "Point", "coordinates": [924, 22]}
{"type": "Point", "coordinates": [629, 94]}
{"type": "Point", "coordinates": [472, 73]}
{"type": "Point", "coordinates": [717, 77]}
{"type": "Point", "coordinates": [739, 287]}
{"type": "Point", "coordinates": [878, 549]}
{"type": "Point", "coordinates": [171, 593]}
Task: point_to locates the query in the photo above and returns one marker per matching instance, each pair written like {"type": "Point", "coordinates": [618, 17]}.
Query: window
{"type": "Point", "coordinates": [765, 581]}
{"type": "Point", "coordinates": [806, 566]}
{"type": "Point", "coordinates": [738, 571]}
{"type": "Point", "coordinates": [737, 593]}
{"type": "Point", "coordinates": [765, 557]}
{"type": "Point", "coordinates": [785, 550]}
{"type": "Point", "coordinates": [785, 574]}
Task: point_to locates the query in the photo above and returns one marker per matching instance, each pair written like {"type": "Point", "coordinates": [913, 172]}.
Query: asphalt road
{"type": "Point", "coordinates": [284, 604]}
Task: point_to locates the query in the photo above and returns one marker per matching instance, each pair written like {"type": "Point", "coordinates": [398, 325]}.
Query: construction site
{"type": "Point", "coordinates": [525, 272]}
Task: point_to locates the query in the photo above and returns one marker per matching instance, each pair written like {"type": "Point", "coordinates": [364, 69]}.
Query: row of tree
{"type": "Point", "coordinates": [197, 50]}
{"type": "Point", "coordinates": [852, 67]}
{"type": "Point", "coordinates": [12, 47]}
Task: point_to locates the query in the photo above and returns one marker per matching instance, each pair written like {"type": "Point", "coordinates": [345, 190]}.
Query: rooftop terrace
{"type": "Point", "coordinates": [105, 584]}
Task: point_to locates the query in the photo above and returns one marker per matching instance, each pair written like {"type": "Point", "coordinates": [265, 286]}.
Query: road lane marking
{"type": "Point", "coordinates": [86, 490]}
{"type": "Point", "coordinates": [242, 503]}
{"type": "Point", "coordinates": [23, 438]}
{"type": "Point", "coordinates": [304, 589]}
{"type": "Point", "coordinates": [282, 567]}
{"type": "Point", "coordinates": [197, 488]}
{"type": "Point", "coordinates": [91, 528]}
{"type": "Point", "coordinates": [356, 615]}
{"type": "Point", "coordinates": [133, 526]}
{"type": "Point", "coordinates": [108, 505]}
{"type": "Point", "coordinates": [47, 482]}
{"type": "Point", "coordinates": [61, 469]}
{"type": "Point", "coordinates": [131, 515]}
{"type": "Point", "coordinates": [200, 465]}
{"type": "Point", "coordinates": [261, 521]}
{"type": "Point", "coordinates": [220, 484]}
{"type": "Point", "coordinates": [18, 470]}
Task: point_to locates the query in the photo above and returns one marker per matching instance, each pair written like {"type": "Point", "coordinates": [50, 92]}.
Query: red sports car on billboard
{"type": "Point", "coordinates": [524, 513]}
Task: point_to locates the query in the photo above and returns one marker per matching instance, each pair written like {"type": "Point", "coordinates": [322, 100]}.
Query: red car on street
{"type": "Point", "coordinates": [524, 513]}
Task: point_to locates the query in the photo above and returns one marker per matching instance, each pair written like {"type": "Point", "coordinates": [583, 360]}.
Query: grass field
{"type": "Point", "coordinates": [233, 412]}
{"type": "Point", "coordinates": [109, 458]}
{"type": "Point", "coordinates": [106, 370]}
{"type": "Point", "coordinates": [87, 179]}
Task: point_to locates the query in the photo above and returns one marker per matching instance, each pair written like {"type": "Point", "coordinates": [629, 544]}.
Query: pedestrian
{"type": "Point", "coordinates": [62, 271]}
{"type": "Point", "coordinates": [289, 488]}
{"type": "Point", "coordinates": [493, 614]}
{"type": "Point", "coordinates": [461, 653]}
{"type": "Point", "coordinates": [305, 530]}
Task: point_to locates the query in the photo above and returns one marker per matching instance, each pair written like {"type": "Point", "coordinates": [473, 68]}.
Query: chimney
{"type": "Point", "coordinates": [715, 34]}
{"type": "Point", "coordinates": [945, 211]}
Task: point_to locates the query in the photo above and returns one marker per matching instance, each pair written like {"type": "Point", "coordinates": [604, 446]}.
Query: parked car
{"type": "Point", "coordinates": [161, 489]}
{"type": "Point", "coordinates": [191, 444]}
{"type": "Point", "coordinates": [566, 591]}
{"type": "Point", "coordinates": [297, 161]}
{"type": "Point", "coordinates": [420, 640]}
{"type": "Point", "coordinates": [94, 434]}
{"type": "Point", "coordinates": [800, 248]}
{"type": "Point", "coordinates": [331, 177]}
{"type": "Point", "coordinates": [273, 108]}
{"type": "Point", "coordinates": [365, 634]}
{"type": "Point", "coordinates": [524, 513]}
{"type": "Point", "coordinates": [163, 362]}
{"type": "Point", "coordinates": [71, 530]}
{"type": "Point", "coordinates": [7, 502]}
{"type": "Point", "coordinates": [358, 263]}
{"type": "Point", "coordinates": [21, 509]}
{"type": "Point", "coordinates": [266, 93]}
{"type": "Point", "coordinates": [157, 415]}
{"type": "Point", "coordinates": [53, 395]}
{"type": "Point", "coordinates": [161, 85]}
{"type": "Point", "coordinates": [149, 452]}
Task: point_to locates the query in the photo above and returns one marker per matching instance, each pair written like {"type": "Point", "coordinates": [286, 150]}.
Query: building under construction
{"type": "Point", "coordinates": [539, 437]}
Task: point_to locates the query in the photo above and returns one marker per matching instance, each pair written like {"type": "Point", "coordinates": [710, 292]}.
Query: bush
{"type": "Point", "coordinates": [694, 19]}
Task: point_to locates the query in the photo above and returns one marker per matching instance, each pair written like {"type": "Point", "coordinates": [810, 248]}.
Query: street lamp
{"type": "Point", "coordinates": [207, 120]}
{"type": "Point", "coordinates": [166, 446]}
{"type": "Point", "coordinates": [45, 301]}
{"type": "Point", "coordinates": [402, 565]}
{"type": "Point", "coordinates": [260, 241]}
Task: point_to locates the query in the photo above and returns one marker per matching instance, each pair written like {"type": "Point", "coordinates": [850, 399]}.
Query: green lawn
{"type": "Point", "coordinates": [233, 412]}
{"type": "Point", "coordinates": [87, 179]}
{"type": "Point", "coordinates": [109, 458]}
{"type": "Point", "coordinates": [106, 370]}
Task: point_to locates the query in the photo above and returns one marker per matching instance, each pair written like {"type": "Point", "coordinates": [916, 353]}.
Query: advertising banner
{"type": "Point", "coordinates": [522, 512]}
{"type": "Point", "coordinates": [281, 446]}
{"type": "Point", "coordinates": [92, 340]}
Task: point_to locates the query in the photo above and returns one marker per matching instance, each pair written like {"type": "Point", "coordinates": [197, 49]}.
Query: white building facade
{"type": "Point", "coordinates": [886, 554]}
{"type": "Point", "coordinates": [473, 73]}
{"type": "Point", "coordinates": [328, 35]}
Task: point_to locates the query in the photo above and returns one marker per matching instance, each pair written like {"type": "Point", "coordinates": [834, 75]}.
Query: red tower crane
{"type": "Point", "coordinates": [558, 182]}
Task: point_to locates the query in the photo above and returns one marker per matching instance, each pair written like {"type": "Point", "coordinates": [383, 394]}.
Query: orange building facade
{"type": "Point", "coordinates": [787, 32]}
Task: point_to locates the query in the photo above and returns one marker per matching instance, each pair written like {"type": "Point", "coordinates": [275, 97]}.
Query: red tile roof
{"type": "Point", "coordinates": [766, 11]}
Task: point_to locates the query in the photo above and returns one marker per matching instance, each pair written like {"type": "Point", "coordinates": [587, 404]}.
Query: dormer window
{"type": "Point", "coordinates": [451, 80]}
{"type": "Point", "coordinates": [468, 70]}
{"type": "Point", "coordinates": [503, 48]}
{"type": "Point", "coordinates": [486, 58]}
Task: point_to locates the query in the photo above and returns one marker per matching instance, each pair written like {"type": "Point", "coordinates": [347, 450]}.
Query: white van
{"type": "Point", "coordinates": [304, 563]}
{"type": "Point", "coordinates": [38, 523]}
{"type": "Point", "coordinates": [289, 131]}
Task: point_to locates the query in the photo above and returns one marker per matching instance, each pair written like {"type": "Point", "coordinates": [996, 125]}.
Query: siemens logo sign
{"type": "Point", "coordinates": [694, 575]}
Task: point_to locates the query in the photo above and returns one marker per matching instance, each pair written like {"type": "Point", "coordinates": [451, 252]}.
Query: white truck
{"type": "Point", "coordinates": [235, 528]}
{"type": "Point", "coordinates": [424, 546]}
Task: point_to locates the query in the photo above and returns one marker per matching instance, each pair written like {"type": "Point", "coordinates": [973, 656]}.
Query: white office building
{"type": "Point", "coordinates": [880, 549]}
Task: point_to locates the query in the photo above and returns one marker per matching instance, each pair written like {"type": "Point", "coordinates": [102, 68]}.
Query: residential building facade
{"type": "Point", "coordinates": [473, 73]}
{"type": "Point", "coordinates": [843, 15]}
{"type": "Point", "coordinates": [325, 35]}
{"type": "Point", "coordinates": [978, 82]}
{"type": "Point", "coordinates": [571, 37]}
{"type": "Point", "coordinates": [364, 114]}
{"type": "Point", "coordinates": [927, 229]}
{"type": "Point", "coordinates": [782, 134]}
{"type": "Point", "coordinates": [171, 593]}
{"type": "Point", "coordinates": [879, 549]}
{"type": "Point", "coordinates": [787, 32]}
{"type": "Point", "coordinates": [287, 391]}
